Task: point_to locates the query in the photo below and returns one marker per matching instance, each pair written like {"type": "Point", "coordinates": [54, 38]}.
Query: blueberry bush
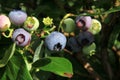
{"type": "Point", "coordinates": [59, 40]}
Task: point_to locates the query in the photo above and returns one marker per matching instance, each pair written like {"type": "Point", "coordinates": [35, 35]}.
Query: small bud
{"type": "Point", "coordinates": [47, 21]}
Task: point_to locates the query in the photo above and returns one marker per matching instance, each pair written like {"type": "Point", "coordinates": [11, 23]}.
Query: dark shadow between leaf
{"type": "Point", "coordinates": [41, 62]}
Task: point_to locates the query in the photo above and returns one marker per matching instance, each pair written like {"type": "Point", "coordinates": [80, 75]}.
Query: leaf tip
{"type": "Point", "coordinates": [69, 75]}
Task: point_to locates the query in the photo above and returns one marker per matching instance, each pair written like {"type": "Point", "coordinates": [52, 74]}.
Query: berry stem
{"type": "Point", "coordinates": [66, 16]}
{"type": "Point", "coordinates": [46, 32]}
{"type": "Point", "coordinates": [51, 29]}
{"type": "Point", "coordinates": [9, 35]}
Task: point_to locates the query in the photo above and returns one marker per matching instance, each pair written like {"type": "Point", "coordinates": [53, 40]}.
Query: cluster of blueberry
{"type": "Point", "coordinates": [20, 36]}
{"type": "Point", "coordinates": [88, 27]}
{"type": "Point", "coordinates": [84, 41]}
{"type": "Point", "coordinates": [55, 41]}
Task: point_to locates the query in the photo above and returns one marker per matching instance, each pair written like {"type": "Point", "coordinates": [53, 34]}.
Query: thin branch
{"type": "Point", "coordinates": [83, 75]}
{"type": "Point", "coordinates": [117, 62]}
{"type": "Point", "coordinates": [105, 35]}
{"type": "Point", "coordinates": [87, 66]}
{"type": "Point", "coordinates": [94, 75]}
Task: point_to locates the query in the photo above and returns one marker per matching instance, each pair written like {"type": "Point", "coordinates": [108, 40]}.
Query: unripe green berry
{"type": "Point", "coordinates": [4, 23]}
{"type": "Point", "coordinates": [31, 24]}
{"type": "Point", "coordinates": [68, 25]}
{"type": "Point", "coordinates": [95, 27]}
{"type": "Point", "coordinates": [89, 50]}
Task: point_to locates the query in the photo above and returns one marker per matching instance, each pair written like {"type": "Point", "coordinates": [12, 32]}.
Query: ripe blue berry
{"type": "Point", "coordinates": [17, 17]}
{"type": "Point", "coordinates": [73, 44]}
{"type": "Point", "coordinates": [55, 41]}
{"type": "Point", "coordinates": [85, 38]}
{"type": "Point", "coordinates": [21, 37]}
{"type": "Point", "coordinates": [83, 22]}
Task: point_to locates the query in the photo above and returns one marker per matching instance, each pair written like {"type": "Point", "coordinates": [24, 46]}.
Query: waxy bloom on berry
{"type": "Point", "coordinates": [21, 37]}
{"type": "Point", "coordinates": [17, 17]}
{"type": "Point", "coordinates": [4, 23]}
{"type": "Point", "coordinates": [55, 41]}
{"type": "Point", "coordinates": [47, 21]}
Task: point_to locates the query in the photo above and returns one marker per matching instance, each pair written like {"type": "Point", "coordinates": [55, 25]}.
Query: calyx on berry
{"type": "Point", "coordinates": [21, 37]}
{"type": "Point", "coordinates": [83, 22]}
{"type": "Point", "coordinates": [31, 23]}
{"type": "Point", "coordinates": [89, 50]}
{"type": "Point", "coordinates": [55, 41]}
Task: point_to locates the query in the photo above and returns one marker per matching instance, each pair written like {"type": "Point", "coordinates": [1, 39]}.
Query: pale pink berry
{"type": "Point", "coordinates": [4, 22]}
{"type": "Point", "coordinates": [83, 22]}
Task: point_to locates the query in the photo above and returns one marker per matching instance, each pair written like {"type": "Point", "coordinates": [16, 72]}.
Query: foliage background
{"type": "Point", "coordinates": [106, 62]}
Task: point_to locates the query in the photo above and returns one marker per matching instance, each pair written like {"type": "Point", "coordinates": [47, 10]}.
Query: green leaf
{"type": "Point", "coordinates": [60, 66]}
{"type": "Point", "coordinates": [41, 62]}
{"type": "Point", "coordinates": [8, 54]}
{"type": "Point", "coordinates": [117, 44]}
{"type": "Point", "coordinates": [43, 75]}
{"type": "Point", "coordinates": [16, 69]}
{"type": "Point", "coordinates": [112, 10]}
{"type": "Point", "coordinates": [116, 9]}
{"type": "Point", "coordinates": [37, 52]}
{"type": "Point", "coordinates": [114, 35]}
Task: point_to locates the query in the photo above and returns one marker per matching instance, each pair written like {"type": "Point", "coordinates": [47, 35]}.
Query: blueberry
{"type": "Point", "coordinates": [83, 22]}
{"type": "Point", "coordinates": [31, 23]}
{"type": "Point", "coordinates": [85, 38]}
{"type": "Point", "coordinates": [4, 22]}
{"type": "Point", "coordinates": [95, 27]}
{"type": "Point", "coordinates": [89, 50]}
{"type": "Point", "coordinates": [68, 25]}
{"type": "Point", "coordinates": [21, 37]}
{"type": "Point", "coordinates": [55, 41]}
{"type": "Point", "coordinates": [73, 45]}
{"type": "Point", "coordinates": [17, 17]}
